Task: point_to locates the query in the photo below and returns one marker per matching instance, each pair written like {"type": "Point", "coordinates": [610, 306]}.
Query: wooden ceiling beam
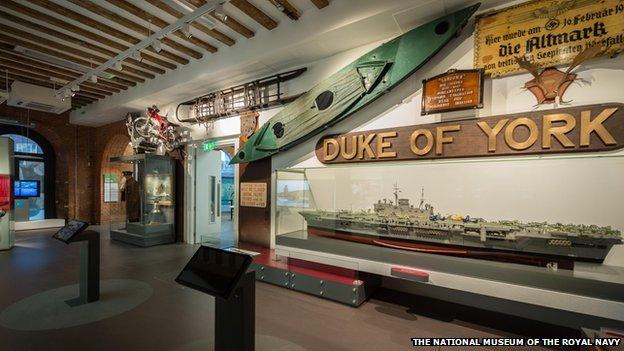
{"type": "Point", "coordinates": [287, 8]}
{"type": "Point", "coordinates": [101, 11]}
{"type": "Point", "coordinates": [73, 40]}
{"type": "Point", "coordinates": [255, 13]}
{"type": "Point", "coordinates": [8, 4]}
{"type": "Point", "coordinates": [160, 23]}
{"type": "Point", "coordinates": [320, 3]}
{"type": "Point", "coordinates": [85, 56]}
{"type": "Point", "coordinates": [15, 41]}
{"type": "Point", "coordinates": [102, 83]}
{"type": "Point", "coordinates": [49, 5]}
{"type": "Point", "coordinates": [216, 34]}
{"type": "Point", "coordinates": [231, 22]}
{"type": "Point", "coordinates": [87, 86]}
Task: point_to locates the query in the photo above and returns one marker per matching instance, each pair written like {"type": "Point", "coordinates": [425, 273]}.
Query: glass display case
{"type": "Point", "coordinates": [549, 222]}
{"type": "Point", "coordinates": [148, 195]}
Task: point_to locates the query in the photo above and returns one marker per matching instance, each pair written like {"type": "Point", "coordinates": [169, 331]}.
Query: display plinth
{"type": "Point", "coordinates": [89, 268]}
{"type": "Point", "coordinates": [89, 282]}
{"type": "Point", "coordinates": [235, 317]}
{"type": "Point", "coordinates": [223, 274]}
{"type": "Point", "coordinates": [591, 295]}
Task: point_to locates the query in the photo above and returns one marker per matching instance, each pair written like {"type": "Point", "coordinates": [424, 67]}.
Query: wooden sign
{"type": "Point", "coordinates": [253, 194]}
{"type": "Point", "coordinates": [547, 33]}
{"type": "Point", "coordinates": [576, 129]}
{"type": "Point", "coordinates": [452, 91]}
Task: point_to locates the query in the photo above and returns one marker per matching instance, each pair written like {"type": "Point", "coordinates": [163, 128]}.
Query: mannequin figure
{"type": "Point", "coordinates": [129, 189]}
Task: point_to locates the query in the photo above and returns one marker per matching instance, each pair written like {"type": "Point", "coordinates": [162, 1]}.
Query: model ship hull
{"type": "Point", "coordinates": [457, 242]}
{"type": "Point", "coordinates": [353, 87]}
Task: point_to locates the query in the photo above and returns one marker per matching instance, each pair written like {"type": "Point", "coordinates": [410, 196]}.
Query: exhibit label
{"type": "Point", "coordinates": [576, 129]}
{"type": "Point", "coordinates": [452, 91]}
{"type": "Point", "coordinates": [547, 33]}
{"type": "Point", "coordinates": [253, 194]}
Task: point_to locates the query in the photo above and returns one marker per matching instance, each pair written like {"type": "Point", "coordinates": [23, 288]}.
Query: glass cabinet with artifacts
{"type": "Point", "coordinates": [148, 196]}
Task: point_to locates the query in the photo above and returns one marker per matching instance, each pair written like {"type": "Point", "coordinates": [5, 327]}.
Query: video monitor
{"type": "Point", "coordinates": [26, 188]}
{"type": "Point", "coordinates": [214, 271]}
{"type": "Point", "coordinates": [70, 230]}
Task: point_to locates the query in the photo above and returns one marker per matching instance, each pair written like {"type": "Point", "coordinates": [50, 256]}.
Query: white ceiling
{"type": "Point", "coordinates": [343, 25]}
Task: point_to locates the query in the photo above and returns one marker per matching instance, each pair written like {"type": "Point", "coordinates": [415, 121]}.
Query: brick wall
{"type": "Point", "coordinates": [72, 146]}
{"type": "Point", "coordinates": [109, 140]}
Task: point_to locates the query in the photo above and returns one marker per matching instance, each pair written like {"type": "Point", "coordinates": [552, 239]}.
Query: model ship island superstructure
{"type": "Point", "coordinates": [401, 225]}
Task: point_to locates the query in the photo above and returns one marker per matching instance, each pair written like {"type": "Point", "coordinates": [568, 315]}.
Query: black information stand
{"type": "Point", "coordinates": [223, 274]}
{"type": "Point", "coordinates": [74, 231]}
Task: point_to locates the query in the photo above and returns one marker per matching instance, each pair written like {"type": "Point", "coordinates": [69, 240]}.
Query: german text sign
{"type": "Point", "coordinates": [575, 129]}
{"type": "Point", "coordinates": [546, 32]}
{"type": "Point", "coordinates": [453, 90]}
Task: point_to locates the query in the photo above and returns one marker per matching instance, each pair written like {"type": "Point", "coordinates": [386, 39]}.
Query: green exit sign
{"type": "Point", "coordinates": [209, 145]}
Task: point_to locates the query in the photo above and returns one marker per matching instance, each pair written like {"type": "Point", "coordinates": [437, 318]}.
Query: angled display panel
{"type": "Point", "coordinates": [214, 271]}
{"type": "Point", "coordinates": [70, 230]}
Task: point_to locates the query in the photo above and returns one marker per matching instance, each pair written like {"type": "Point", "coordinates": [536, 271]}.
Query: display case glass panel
{"type": "Point", "coordinates": [539, 211]}
{"type": "Point", "coordinates": [147, 195]}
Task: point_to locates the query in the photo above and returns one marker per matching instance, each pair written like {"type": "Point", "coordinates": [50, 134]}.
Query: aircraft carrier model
{"type": "Point", "coordinates": [398, 224]}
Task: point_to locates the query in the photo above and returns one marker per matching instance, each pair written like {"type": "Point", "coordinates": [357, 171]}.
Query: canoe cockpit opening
{"type": "Point", "coordinates": [324, 100]}
{"type": "Point", "coordinates": [442, 27]}
{"type": "Point", "coordinates": [278, 129]}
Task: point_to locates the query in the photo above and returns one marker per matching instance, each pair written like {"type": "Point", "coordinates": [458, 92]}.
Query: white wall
{"type": "Point", "coordinates": [562, 188]}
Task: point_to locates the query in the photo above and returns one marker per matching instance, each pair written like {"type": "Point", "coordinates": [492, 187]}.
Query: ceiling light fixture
{"type": "Point", "coordinates": [157, 45]}
{"type": "Point", "coordinates": [134, 51]}
{"type": "Point", "coordinates": [218, 11]}
{"type": "Point", "coordinates": [186, 29]}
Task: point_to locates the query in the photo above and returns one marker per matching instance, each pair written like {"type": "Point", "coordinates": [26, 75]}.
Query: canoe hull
{"type": "Point", "coordinates": [379, 70]}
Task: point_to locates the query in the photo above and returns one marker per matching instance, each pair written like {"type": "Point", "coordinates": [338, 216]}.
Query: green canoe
{"type": "Point", "coordinates": [353, 87]}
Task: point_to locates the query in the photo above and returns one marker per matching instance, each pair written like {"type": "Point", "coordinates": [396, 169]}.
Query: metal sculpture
{"type": "Point", "coordinates": [154, 133]}
{"type": "Point", "coordinates": [550, 84]}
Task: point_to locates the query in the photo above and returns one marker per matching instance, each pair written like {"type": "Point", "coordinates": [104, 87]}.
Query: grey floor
{"type": "Point", "coordinates": [177, 318]}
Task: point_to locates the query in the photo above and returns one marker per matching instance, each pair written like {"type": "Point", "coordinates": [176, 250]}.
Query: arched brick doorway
{"type": "Point", "coordinates": [113, 212]}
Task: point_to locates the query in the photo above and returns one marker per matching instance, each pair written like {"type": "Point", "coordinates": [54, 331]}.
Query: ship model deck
{"type": "Point", "coordinates": [400, 225]}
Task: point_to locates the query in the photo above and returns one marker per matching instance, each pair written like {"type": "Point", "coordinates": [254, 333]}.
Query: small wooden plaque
{"type": "Point", "coordinates": [452, 91]}
{"type": "Point", "coordinates": [253, 195]}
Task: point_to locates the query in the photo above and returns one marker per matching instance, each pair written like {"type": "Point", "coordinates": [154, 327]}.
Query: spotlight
{"type": "Point", "coordinates": [186, 29]}
{"type": "Point", "coordinates": [157, 45]}
{"type": "Point", "coordinates": [220, 13]}
{"type": "Point", "coordinates": [136, 55]}
{"type": "Point", "coordinates": [73, 94]}
{"type": "Point", "coordinates": [118, 66]}
{"type": "Point", "coordinates": [75, 87]}
{"type": "Point", "coordinates": [93, 78]}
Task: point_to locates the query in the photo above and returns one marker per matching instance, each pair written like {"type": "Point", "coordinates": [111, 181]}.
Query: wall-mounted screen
{"type": "Point", "coordinates": [26, 188]}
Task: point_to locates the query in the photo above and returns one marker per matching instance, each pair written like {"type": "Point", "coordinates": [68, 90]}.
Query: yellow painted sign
{"type": "Point", "coordinates": [547, 33]}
